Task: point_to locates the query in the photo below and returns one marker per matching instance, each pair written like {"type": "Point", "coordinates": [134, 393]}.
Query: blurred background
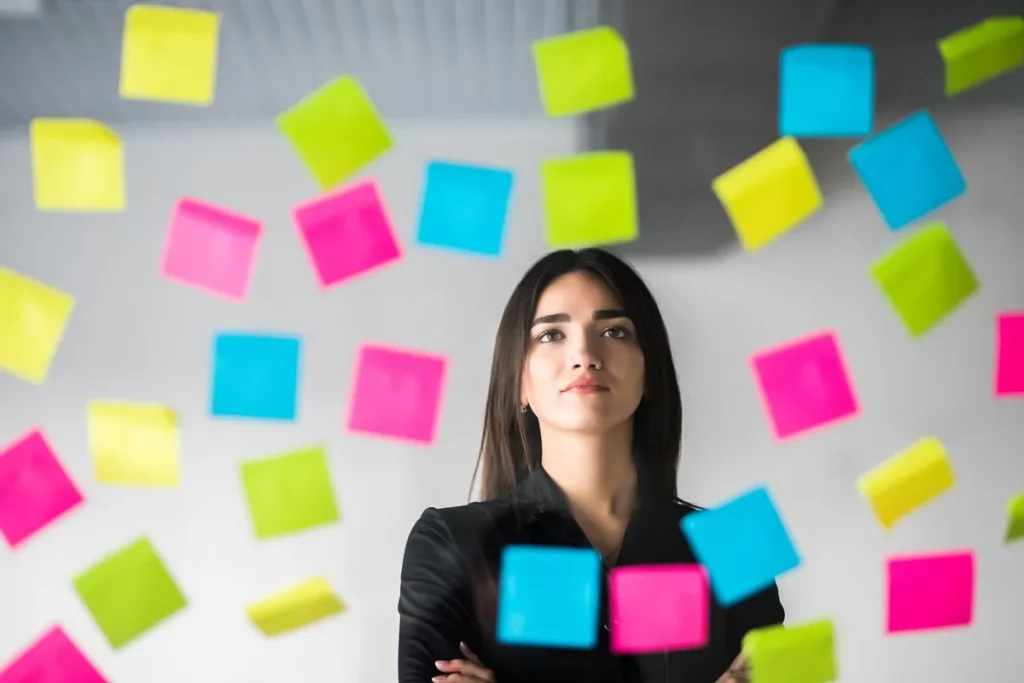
{"type": "Point", "coordinates": [455, 80]}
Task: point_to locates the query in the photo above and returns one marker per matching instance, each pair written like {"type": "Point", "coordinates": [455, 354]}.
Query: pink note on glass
{"type": "Point", "coordinates": [1010, 354]}
{"type": "Point", "coordinates": [347, 233]}
{"type": "Point", "coordinates": [34, 488]}
{"type": "Point", "coordinates": [658, 607]}
{"type": "Point", "coordinates": [805, 384]}
{"type": "Point", "coordinates": [930, 591]}
{"type": "Point", "coordinates": [211, 248]}
{"type": "Point", "coordinates": [54, 658]}
{"type": "Point", "coordinates": [397, 393]}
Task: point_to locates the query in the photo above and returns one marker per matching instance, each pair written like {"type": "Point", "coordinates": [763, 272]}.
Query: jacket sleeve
{"type": "Point", "coordinates": [759, 610]}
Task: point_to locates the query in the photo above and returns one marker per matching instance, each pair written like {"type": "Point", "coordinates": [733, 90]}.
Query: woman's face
{"type": "Point", "coordinates": [584, 370]}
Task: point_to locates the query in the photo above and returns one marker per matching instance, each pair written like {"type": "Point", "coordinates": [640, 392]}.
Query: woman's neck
{"type": "Point", "coordinates": [596, 472]}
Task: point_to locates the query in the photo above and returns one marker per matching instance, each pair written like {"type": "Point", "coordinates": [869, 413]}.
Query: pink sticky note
{"type": "Point", "coordinates": [1010, 354]}
{"type": "Point", "coordinates": [347, 233]}
{"type": "Point", "coordinates": [54, 658]}
{"type": "Point", "coordinates": [804, 384]}
{"type": "Point", "coordinates": [211, 248]}
{"type": "Point", "coordinates": [658, 607]}
{"type": "Point", "coordinates": [397, 393]}
{"type": "Point", "coordinates": [34, 488]}
{"type": "Point", "coordinates": [930, 591]}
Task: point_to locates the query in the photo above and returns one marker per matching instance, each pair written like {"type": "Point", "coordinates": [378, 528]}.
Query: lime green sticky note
{"type": "Point", "coordinates": [925, 277]}
{"type": "Point", "coordinates": [1015, 514]}
{"type": "Point", "coordinates": [77, 165]}
{"type": "Point", "coordinates": [583, 71]}
{"type": "Point", "coordinates": [129, 592]}
{"type": "Point", "coordinates": [289, 492]}
{"type": "Point", "coordinates": [336, 130]}
{"type": "Point", "coordinates": [804, 653]}
{"type": "Point", "coordinates": [589, 199]}
{"type": "Point", "coordinates": [981, 52]}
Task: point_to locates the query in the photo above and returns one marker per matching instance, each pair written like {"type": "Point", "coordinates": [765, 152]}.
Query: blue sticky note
{"type": "Point", "coordinates": [465, 207]}
{"type": "Point", "coordinates": [743, 544]}
{"type": "Point", "coordinates": [908, 170]}
{"type": "Point", "coordinates": [255, 376]}
{"type": "Point", "coordinates": [549, 596]}
{"type": "Point", "coordinates": [826, 91]}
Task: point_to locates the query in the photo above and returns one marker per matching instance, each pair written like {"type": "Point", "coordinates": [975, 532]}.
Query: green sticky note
{"type": "Point", "coordinates": [1015, 515]}
{"type": "Point", "coordinates": [336, 130]}
{"type": "Point", "coordinates": [925, 277]}
{"type": "Point", "coordinates": [290, 492]}
{"type": "Point", "coordinates": [589, 199]}
{"type": "Point", "coordinates": [799, 654]}
{"type": "Point", "coordinates": [981, 52]}
{"type": "Point", "coordinates": [583, 71]}
{"type": "Point", "coordinates": [129, 592]}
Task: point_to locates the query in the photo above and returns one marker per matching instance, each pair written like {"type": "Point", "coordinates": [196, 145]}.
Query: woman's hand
{"type": "Point", "coordinates": [737, 671]}
{"type": "Point", "coordinates": [468, 670]}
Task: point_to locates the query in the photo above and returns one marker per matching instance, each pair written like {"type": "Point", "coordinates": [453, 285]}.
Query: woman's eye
{"type": "Point", "coordinates": [549, 336]}
{"type": "Point", "coordinates": [616, 332]}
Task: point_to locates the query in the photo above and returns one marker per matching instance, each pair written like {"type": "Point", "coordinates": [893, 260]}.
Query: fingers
{"type": "Point", "coordinates": [470, 655]}
{"type": "Point", "coordinates": [464, 671]}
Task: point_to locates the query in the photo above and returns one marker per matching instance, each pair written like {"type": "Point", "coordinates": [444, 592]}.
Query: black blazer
{"type": "Point", "coordinates": [449, 592]}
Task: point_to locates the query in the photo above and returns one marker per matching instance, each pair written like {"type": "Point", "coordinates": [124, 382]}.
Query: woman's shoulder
{"type": "Point", "coordinates": [459, 520]}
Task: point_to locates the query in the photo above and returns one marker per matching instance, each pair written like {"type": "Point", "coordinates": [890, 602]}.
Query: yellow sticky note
{"type": "Point", "coordinates": [907, 480]}
{"type": "Point", "coordinates": [590, 200]}
{"type": "Point", "coordinates": [804, 653]}
{"type": "Point", "coordinates": [294, 607]}
{"type": "Point", "coordinates": [769, 194]}
{"type": "Point", "coordinates": [981, 52]}
{"type": "Point", "coordinates": [33, 317]}
{"type": "Point", "coordinates": [169, 54]}
{"type": "Point", "coordinates": [1015, 518]}
{"type": "Point", "coordinates": [583, 71]}
{"type": "Point", "coordinates": [135, 444]}
{"type": "Point", "coordinates": [77, 165]}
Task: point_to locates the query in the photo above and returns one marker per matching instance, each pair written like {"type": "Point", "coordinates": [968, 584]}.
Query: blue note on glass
{"type": "Point", "coordinates": [743, 544]}
{"type": "Point", "coordinates": [465, 207]}
{"type": "Point", "coordinates": [908, 170]}
{"type": "Point", "coordinates": [826, 91]}
{"type": "Point", "coordinates": [549, 596]}
{"type": "Point", "coordinates": [255, 376]}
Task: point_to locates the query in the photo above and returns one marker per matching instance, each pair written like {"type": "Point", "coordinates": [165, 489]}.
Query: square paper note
{"type": "Point", "coordinates": [908, 170]}
{"type": "Point", "coordinates": [907, 480]}
{"type": "Point", "coordinates": [549, 596]}
{"type": "Point", "coordinates": [930, 591]}
{"type": "Point", "coordinates": [77, 165]}
{"type": "Point", "coordinates": [290, 492]}
{"type": "Point", "coordinates": [465, 207]}
{"type": "Point", "coordinates": [826, 90]}
{"type": "Point", "coordinates": [300, 605]}
{"type": "Point", "coordinates": [658, 607]}
{"type": "Point", "coordinates": [255, 376]}
{"type": "Point", "coordinates": [804, 653]}
{"type": "Point", "coordinates": [53, 658]}
{"type": "Point", "coordinates": [1010, 354]}
{"type": "Point", "coordinates": [583, 71]}
{"type": "Point", "coordinates": [347, 233]}
{"type": "Point", "coordinates": [589, 200]}
{"type": "Point", "coordinates": [33, 317]}
{"type": "Point", "coordinates": [805, 384]}
{"type": "Point", "coordinates": [981, 52]}
{"type": "Point", "coordinates": [743, 543]}
{"type": "Point", "coordinates": [134, 444]}
{"type": "Point", "coordinates": [397, 393]}
{"type": "Point", "coordinates": [1014, 518]}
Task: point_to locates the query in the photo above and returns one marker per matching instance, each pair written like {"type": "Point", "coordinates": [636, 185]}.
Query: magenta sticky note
{"type": "Point", "coordinates": [930, 591]}
{"type": "Point", "coordinates": [654, 608]}
{"type": "Point", "coordinates": [34, 488]}
{"type": "Point", "coordinates": [211, 248]}
{"type": "Point", "coordinates": [397, 393]}
{"type": "Point", "coordinates": [53, 658]}
{"type": "Point", "coordinates": [347, 233]}
{"type": "Point", "coordinates": [805, 384]}
{"type": "Point", "coordinates": [1010, 354]}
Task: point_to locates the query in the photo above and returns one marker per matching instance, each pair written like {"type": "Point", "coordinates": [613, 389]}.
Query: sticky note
{"type": "Point", "coordinates": [826, 90]}
{"type": "Point", "coordinates": [925, 277]}
{"type": "Point", "coordinates": [33, 317]}
{"type": "Point", "coordinates": [169, 54]}
{"type": "Point", "coordinates": [465, 207]}
{"type": "Point", "coordinates": [77, 165]}
{"type": "Point", "coordinates": [583, 71]}
{"type": "Point", "coordinates": [335, 130]}
{"type": "Point", "coordinates": [397, 393]}
{"type": "Point", "coordinates": [255, 376]}
{"type": "Point", "coordinates": [549, 596]}
{"type": "Point", "coordinates": [655, 608]}
{"type": "Point", "coordinates": [34, 488]}
{"type": "Point", "coordinates": [805, 384]}
{"type": "Point", "coordinates": [930, 591]}
{"type": "Point", "coordinates": [135, 444]}
{"type": "Point", "coordinates": [294, 607]}
{"type": "Point", "coordinates": [908, 170]}
{"type": "Point", "coordinates": [907, 480]}
{"type": "Point", "coordinates": [211, 248]}
{"type": "Point", "coordinates": [1015, 518]}
{"type": "Point", "coordinates": [129, 592]}
{"type": "Point", "coordinates": [1010, 354]}
{"type": "Point", "coordinates": [589, 200]}
{"type": "Point", "coordinates": [802, 653]}
{"type": "Point", "coordinates": [52, 658]}
{"type": "Point", "coordinates": [290, 492]}
{"type": "Point", "coordinates": [347, 233]}
{"type": "Point", "coordinates": [981, 52]}
{"type": "Point", "coordinates": [769, 194]}
{"type": "Point", "coordinates": [743, 543]}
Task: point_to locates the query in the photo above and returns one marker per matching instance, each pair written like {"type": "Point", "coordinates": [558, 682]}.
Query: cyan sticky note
{"type": "Point", "coordinates": [465, 207]}
{"type": "Point", "coordinates": [908, 170]}
{"type": "Point", "coordinates": [826, 90]}
{"type": "Point", "coordinates": [743, 543]}
{"type": "Point", "coordinates": [255, 376]}
{"type": "Point", "coordinates": [549, 596]}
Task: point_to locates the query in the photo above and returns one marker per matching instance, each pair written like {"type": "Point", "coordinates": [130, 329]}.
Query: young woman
{"type": "Point", "coordinates": [580, 448]}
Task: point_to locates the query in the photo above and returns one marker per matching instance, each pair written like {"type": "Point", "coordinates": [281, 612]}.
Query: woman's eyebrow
{"type": "Point", "coordinates": [602, 314]}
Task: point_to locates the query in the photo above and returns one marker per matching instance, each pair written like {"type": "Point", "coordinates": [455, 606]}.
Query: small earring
{"type": "Point", "coordinates": [525, 408]}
